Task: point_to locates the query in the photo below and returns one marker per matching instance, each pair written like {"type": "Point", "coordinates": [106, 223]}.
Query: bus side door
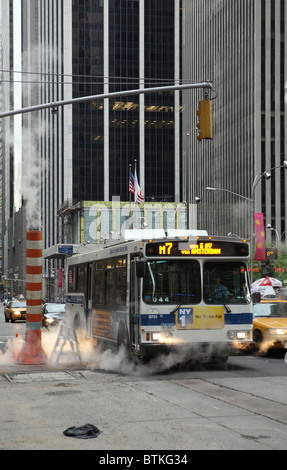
{"type": "Point", "coordinates": [89, 297]}
{"type": "Point", "coordinates": [134, 306]}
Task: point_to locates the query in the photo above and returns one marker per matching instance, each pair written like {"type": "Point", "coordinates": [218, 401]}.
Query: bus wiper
{"type": "Point", "coordinates": [174, 310]}
{"type": "Point", "coordinates": [228, 309]}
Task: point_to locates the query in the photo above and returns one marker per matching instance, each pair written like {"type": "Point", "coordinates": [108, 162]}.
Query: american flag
{"type": "Point", "coordinates": [139, 197]}
{"type": "Point", "coordinates": [132, 183]}
{"type": "Point", "coordinates": [135, 189]}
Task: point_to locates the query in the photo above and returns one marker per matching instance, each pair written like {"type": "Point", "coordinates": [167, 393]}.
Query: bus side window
{"type": "Point", "coordinates": [109, 286]}
{"type": "Point", "coordinates": [121, 286]}
{"type": "Point", "coordinates": [99, 285]}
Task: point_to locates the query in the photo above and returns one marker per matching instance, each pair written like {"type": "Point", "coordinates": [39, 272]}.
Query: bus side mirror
{"type": "Point", "coordinates": [140, 268]}
{"type": "Point", "coordinates": [256, 297]}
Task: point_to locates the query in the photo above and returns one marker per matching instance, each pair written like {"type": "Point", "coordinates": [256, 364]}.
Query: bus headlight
{"type": "Point", "coordinates": [162, 336]}
{"type": "Point", "coordinates": [156, 336]}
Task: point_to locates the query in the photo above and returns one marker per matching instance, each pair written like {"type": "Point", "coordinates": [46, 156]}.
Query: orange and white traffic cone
{"type": "Point", "coordinates": [32, 352]}
{"type": "Point", "coordinates": [16, 347]}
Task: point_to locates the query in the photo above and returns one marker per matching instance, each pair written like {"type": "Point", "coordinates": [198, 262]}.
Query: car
{"type": "Point", "coordinates": [270, 324]}
{"type": "Point", "coordinates": [52, 314]}
{"type": "Point", "coordinates": [15, 310]}
{"type": "Point", "coordinates": [6, 301]}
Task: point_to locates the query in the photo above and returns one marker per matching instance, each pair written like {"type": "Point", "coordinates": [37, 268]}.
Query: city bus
{"type": "Point", "coordinates": [154, 295]}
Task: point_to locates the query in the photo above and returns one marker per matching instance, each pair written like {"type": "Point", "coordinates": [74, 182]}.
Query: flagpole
{"type": "Point", "coordinates": [136, 212]}
{"type": "Point", "coordinates": [130, 198]}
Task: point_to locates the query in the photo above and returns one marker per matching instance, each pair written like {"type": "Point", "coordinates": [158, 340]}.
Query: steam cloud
{"type": "Point", "coordinates": [94, 358]}
{"type": "Point", "coordinates": [29, 134]}
{"type": "Point", "coordinates": [32, 176]}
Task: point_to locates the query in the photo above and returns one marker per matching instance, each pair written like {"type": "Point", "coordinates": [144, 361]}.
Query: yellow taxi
{"type": "Point", "coordinates": [15, 310]}
{"type": "Point", "coordinates": [270, 324]}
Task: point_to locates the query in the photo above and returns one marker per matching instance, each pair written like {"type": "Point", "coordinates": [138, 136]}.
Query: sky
{"type": "Point", "coordinates": [18, 104]}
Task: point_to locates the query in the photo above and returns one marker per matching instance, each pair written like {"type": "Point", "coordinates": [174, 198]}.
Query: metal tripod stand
{"type": "Point", "coordinates": [66, 334]}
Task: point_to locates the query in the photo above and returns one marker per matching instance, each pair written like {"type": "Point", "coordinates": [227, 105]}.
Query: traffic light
{"type": "Point", "coordinates": [268, 270]}
{"type": "Point", "coordinates": [204, 124]}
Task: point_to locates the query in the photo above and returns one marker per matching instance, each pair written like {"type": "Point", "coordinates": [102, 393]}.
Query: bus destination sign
{"type": "Point", "coordinates": [197, 248]}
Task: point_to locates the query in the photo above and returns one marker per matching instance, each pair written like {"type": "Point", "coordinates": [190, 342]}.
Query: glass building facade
{"type": "Point", "coordinates": [82, 152]}
{"type": "Point", "coordinates": [245, 51]}
{"type": "Point", "coordinates": [88, 79]}
{"type": "Point", "coordinates": [119, 45]}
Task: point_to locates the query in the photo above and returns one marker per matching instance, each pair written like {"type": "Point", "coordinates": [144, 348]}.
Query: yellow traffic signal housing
{"type": "Point", "coordinates": [204, 124]}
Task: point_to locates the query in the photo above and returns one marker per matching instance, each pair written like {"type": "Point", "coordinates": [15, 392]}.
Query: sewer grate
{"type": "Point", "coordinates": [43, 376]}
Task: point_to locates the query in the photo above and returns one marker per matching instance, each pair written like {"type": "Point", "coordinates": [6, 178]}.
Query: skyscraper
{"type": "Point", "coordinates": [82, 152]}
{"type": "Point", "coordinates": [120, 45]}
{"type": "Point", "coordinates": [242, 47]}
{"type": "Point", "coordinates": [88, 48]}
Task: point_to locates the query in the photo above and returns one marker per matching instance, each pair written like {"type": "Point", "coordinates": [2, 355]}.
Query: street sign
{"type": "Point", "coordinates": [65, 249]}
{"type": "Point", "coordinates": [270, 253]}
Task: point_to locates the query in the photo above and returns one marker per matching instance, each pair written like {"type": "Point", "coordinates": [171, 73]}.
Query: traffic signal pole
{"type": "Point", "coordinates": [140, 91]}
{"type": "Point", "coordinates": [32, 352]}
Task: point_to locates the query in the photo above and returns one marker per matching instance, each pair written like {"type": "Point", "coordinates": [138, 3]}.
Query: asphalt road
{"type": "Point", "coordinates": [154, 409]}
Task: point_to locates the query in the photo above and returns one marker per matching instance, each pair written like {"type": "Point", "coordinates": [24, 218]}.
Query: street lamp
{"type": "Point", "coordinates": [263, 174]}
{"type": "Point", "coordinates": [230, 234]}
{"type": "Point", "coordinates": [210, 188]}
{"type": "Point", "coordinates": [82, 244]}
{"type": "Point", "coordinates": [272, 229]}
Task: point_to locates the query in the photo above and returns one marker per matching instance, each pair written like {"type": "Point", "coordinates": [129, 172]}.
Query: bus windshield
{"type": "Point", "coordinates": [172, 282]}
{"type": "Point", "coordinates": [225, 282]}
{"type": "Point", "coordinates": [179, 282]}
